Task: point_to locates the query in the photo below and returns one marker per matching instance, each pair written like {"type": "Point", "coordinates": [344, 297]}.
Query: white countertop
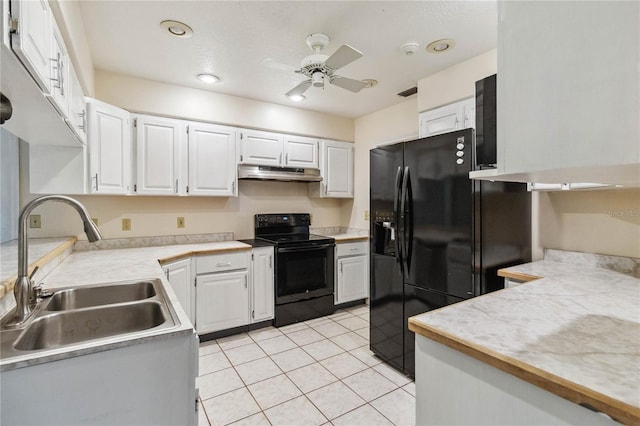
{"type": "Point", "coordinates": [107, 266]}
{"type": "Point", "coordinates": [38, 247]}
{"type": "Point", "coordinates": [578, 326]}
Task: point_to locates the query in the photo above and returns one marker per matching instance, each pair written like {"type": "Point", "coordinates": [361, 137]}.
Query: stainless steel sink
{"type": "Point", "coordinates": [86, 317]}
{"type": "Point", "coordinates": [64, 328]}
{"type": "Point", "coordinates": [84, 297]}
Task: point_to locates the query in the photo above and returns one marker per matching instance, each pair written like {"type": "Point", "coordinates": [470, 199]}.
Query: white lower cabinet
{"type": "Point", "coordinates": [179, 275]}
{"type": "Point", "coordinates": [262, 290]}
{"type": "Point", "coordinates": [352, 272]}
{"type": "Point", "coordinates": [222, 301]}
{"type": "Point", "coordinates": [222, 291]}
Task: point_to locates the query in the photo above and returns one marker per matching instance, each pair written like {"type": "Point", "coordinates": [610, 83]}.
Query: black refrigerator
{"type": "Point", "coordinates": [437, 237]}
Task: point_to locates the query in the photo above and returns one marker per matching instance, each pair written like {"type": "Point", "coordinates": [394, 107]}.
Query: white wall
{"type": "Point", "coordinates": [457, 82]}
{"type": "Point", "coordinates": [395, 123]}
{"type": "Point", "coordinates": [153, 97]}
{"type": "Point", "coordinates": [9, 182]}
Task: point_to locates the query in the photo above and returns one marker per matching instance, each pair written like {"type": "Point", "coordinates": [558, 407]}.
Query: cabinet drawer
{"type": "Point", "coordinates": [352, 249]}
{"type": "Point", "coordinates": [207, 264]}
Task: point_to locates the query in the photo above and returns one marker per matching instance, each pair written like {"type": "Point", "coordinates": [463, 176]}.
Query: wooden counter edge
{"type": "Point", "coordinates": [185, 254]}
{"type": "Point", "coordinates": [520, 276]}
{"type": "Point", "coordinates": [355, 238]}
{"type": "Point", "coordinates": [7, 285]}
{"type": "Point", "coordinates": [581, 395]}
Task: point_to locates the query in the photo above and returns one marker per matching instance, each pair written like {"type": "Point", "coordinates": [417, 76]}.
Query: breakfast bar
{"type": "Point", "coordinates": [507, 356]}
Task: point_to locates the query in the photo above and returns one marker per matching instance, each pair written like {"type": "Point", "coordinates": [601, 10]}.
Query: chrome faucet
{"type": "Point", "coordinates": [24, 289]}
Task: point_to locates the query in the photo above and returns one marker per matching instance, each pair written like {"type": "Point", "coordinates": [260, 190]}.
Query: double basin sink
{"type": "Point", "coordinates": [88, 314]}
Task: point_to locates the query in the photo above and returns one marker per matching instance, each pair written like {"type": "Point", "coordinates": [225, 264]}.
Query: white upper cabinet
{"type": "Point", "coordinates": [77, 118]}
{"type": "Point", "coordinates": [336, 170]}
{"type": "Point", "coordinates": [109, 148]}
{"type": "Point", "coordinates": [300, 152]}
{"type": "Point", "coordinates": [32, 41]}
{"type": "Point", "coordinates": [159, 146]}
{"type": "Point", "coordinates": [212, 160]}
{"type": "Point", "coordinates": [59, 73]}
{"type": "Point", "coordinates": [455, 116]}
{"type": "Point", "coordinates": [261, 148]}
{"type": "Point", "coordinates": [570, 113]}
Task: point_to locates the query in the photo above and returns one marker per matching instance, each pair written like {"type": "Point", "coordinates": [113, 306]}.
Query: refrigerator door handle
{"type": "Point", "coordinates": [396, 209]}
{"type": "Point", "coordinates": [403, 219]}
{"type": "Point", "coordinates": [408, 218]}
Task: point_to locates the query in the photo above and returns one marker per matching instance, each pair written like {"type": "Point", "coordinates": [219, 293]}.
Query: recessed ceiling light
{"type": "Point", "coordinates": [297, 98]}
{"type": "Point", "coordinates": [370, 82]}
{"type": "Point", "coordinates": [440, 46]}
{"type": "Point", "coordinates": [177, 28]}
{"type": "Point", "coordinates": [208, 78]}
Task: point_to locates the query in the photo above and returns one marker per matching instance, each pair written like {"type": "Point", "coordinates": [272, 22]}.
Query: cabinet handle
{"type": "Point", "coordinates": [341, 267]}
{"type": "Point", "coordinates": [176, 186]}
{"type": "Point", "coordinates": [326, 189]}
{"type": "Point", "coordinates": [57, 68]}
{"type": "Point", "coordinates": [222, 265]}
{"type": "Point", "coordinates": [353, 249]}
{"type": "Point", "coordinates": [83, 115]}
{"type": "Point", "coordinates": [286, 158]}
{"type": "Point", "coordinates": [253, 314]}
{"type": "Point", "coordinates": [96, 178]}
{"type": "Point", "coordinates": [233, 188]}
{"type": "Point", "coordinates": [270, 262]}
{"type": "Point", "coordinates": [245, 282]}
{"type": "Point", "coordinates": [280, 158]}
{"type": "Point", "coordinates": [167, 273]}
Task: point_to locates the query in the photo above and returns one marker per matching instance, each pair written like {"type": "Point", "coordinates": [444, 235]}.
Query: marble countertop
{"type": "Point", "coordinates": [107, 266]}
{"type": "Point", "coordinates": [575, 332]}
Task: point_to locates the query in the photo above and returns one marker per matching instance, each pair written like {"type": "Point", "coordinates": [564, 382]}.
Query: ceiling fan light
{"type": "Point", "coordinates": [317, 79]}
{"type": "Point", "coordinates": [208, 78]}
{"type": "Point", "coordinates": [297, 98]}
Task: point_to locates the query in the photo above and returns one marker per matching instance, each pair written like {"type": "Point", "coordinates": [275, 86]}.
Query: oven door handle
{"type": "Point", "coordinates": [305, 248]}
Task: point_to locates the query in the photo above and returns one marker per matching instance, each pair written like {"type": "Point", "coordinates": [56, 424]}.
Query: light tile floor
{"type": "Point", "coordinates": [320, 372]}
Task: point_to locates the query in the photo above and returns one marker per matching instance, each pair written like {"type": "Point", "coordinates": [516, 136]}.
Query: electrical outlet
{"type": "Point", "coordinates": [366, 215]}
{"type": "Point", "coordinates": [180, 222]}
{"type": "Point", "coordinates": [126, 224]}
{"type": "Point", "coordinates": [94, 220]}
{"type": "Point", "coordinates": [34, 221]}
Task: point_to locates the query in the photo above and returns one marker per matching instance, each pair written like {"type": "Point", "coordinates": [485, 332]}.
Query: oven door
{"type": "Point", "coordinates": [304, 272]}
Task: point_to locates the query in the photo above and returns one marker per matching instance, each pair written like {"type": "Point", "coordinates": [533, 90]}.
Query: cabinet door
{"type": "Point", "coordinates": [469, 114]}
{"type": "Point", "coordinates": [440, 120]}
{"type": "Point", "coordinates": [212, 160]}
{"type": "Point", "coordinates": [262, 299]}
{"type": "Point", "coordinates": [222, 301]}
{"type": "Point", "coordinates": [300, 152]}
{"type": "Point", "coordinates": [353, 279]}
{"type": "Point", "coordinates": [179, 276]}
{"type": "Point", "coordinates": [109, 145]}
{"type": "Point", "coordinates": [260, 148]}
{"type": "Point", "coordinates": [32, 41]}
{"type": "Point", "coordinates": [77, 118]}
{"type": "Point", "coordinates": [59, 73]}
{"type": "Point", "coordinates": [338, 169]}
{"type": "Point", "coordinates": [159, 142]}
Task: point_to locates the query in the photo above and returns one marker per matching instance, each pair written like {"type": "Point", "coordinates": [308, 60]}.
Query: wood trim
{"type": "Point", "coordinates": [7, 285]}
{"type": "Point", "coordinates": [618, 410]}
{"type": "Point", "coordinates": [520, 276]}
{"type": "Point", "coordinates": [199, 252]}
{"type": "Point", "coordinates": [352, 239]}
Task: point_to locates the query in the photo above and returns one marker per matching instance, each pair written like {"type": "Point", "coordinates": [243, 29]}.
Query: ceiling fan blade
{"type": "Point", "coordinates": [271, 64]}
{"type": "Point", "coordinates": [348, 83]}
{"type": "Point", "coordinates": [299, 89]}
{"type": "Point", "coordinates": [343, 56]}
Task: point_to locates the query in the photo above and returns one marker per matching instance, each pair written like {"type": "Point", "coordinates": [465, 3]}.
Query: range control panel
{"type": "Point", "coordinates": [282, 220]}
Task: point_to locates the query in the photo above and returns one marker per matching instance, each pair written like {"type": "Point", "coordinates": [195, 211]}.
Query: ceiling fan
{"type": "Point", "coordinates": [320, 68]}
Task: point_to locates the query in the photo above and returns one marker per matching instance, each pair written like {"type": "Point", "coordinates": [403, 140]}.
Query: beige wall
{"type": "Point", "coordinates": [457, 82]}
{"type": "Point", "coordinates": [398, 122]}
{"type": "Point", "coordinates": [69, 19]}
{"type": "Point", "coordinates": [605, 221]}
{"type": "Point", "coordinates": [153, 97]}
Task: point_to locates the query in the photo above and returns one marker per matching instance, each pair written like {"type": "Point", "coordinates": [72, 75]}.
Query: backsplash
{"type": "Point", "coordinates": [162, 240]}
{"type": "Point", "coordinates": [624, 265]}
{"type": "Point", "coordinates": [337, 230]}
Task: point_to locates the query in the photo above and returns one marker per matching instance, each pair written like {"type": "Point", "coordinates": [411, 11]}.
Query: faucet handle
{"type": "Point", "coordinates": [41, 293]}
{"type": "Point", "coordinates": [33, 272]}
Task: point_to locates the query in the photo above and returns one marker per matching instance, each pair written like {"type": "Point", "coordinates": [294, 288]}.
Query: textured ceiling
{"type": "Point", "coordinates": [232, 39]}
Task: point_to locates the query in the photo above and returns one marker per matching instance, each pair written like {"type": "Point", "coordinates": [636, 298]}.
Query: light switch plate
{"type": "Point", "coordinates": [180, 222]}
{"type": "Point", "coordinates": [126, 224]}
{"type": "Point", "coordinates": [94, 220]}
{"type": "Point", "coordinates": [366, 215]}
